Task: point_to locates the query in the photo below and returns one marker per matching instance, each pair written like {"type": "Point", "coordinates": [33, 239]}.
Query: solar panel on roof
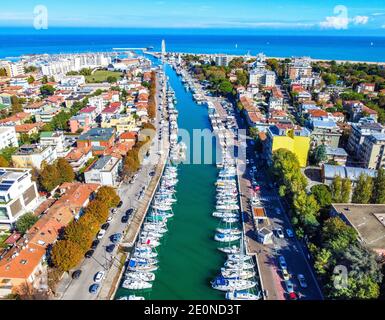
{"type": "Point", "coordinates": [4, 187]}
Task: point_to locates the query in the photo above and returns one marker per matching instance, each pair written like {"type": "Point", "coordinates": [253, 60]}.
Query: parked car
{"type": "Point", "coordinates": [280, 233]}
{"type": "Point", "coordinates": [89, 254]}
{"type": "Point", "coordinates": [110, 218]}
{"type": "Point", "coordinates": [95, 244]}
{"type": "Point", "coordinates": [293, 296]}
{"type": "Point", "coordinates": [289, 286]}
{"type": "Point", "coordinates": [277, 211]}
{"type": "Point", "coordinates": [120, 204]}
{"type": "Point", "coordinates": [76, 274]}
{"type": "Point", "coordinates": [101, 234]}
{"type": "Point", "coordinates": [105, 226]}
{"type": "Point", "coordinates": [302, 281]}
{"type": "Point", "coordinates": [125, 219]}
{"type": "Point", "coordinates": [129, 212]}
{"type": "Point", "coordinates": [110, 248]}
{"type": "Point", "coordinates": [285, 274]}
{"type": "Point", "coordinates": [282, 262]}
{"type": "Point", "coordinates": [99, 276]}
{"type": "Point", "coordinates": [290, 233]}
{"type": "Point", "coordinates": [116, 237]}
{"type": "Point", "coordinates": [94, 288]}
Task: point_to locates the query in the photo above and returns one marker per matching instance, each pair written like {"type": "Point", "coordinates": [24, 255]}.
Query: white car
{"type": "Point", "coordinates": [99, 276]}
{"type": "Point", "coordinates": [101, 234]}
{"type": "Point", "coordinates": [109, 219]}
{"type": "Point", "coordinates": [280, 233]}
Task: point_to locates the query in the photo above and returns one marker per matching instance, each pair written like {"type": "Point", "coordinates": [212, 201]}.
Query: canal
{"type": "Point", "coordinates": [188, 256]}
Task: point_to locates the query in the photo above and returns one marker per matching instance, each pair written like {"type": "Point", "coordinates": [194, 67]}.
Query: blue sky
{"type": "Point", "coordinates": [354, 15]}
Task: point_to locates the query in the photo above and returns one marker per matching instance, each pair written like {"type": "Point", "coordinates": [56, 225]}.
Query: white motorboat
{"type": "Point", "coordinates": [242, 274]}
{"type": "Point", "coordinates": [226, 237]}
{"type": "Point", "coordinates": [227, 207]}
{"type": "Point", "coordinates": [220, 214]}
{"type": "Point", "coordinates": [154, 228]}
{"type": "Point", "coordinates": [224, 284]}
{"type": "Point", "coordinates": [239, 257]}
{"type": "Point", "coordinates": [145, 276]}
{"type": "Point", "coordinates": [150, 242]}
{"type": "Point", "coordinates": [230, 220]}
{"type": "Point", "coordinates": [145, 255]}
{"type": "Point", "coordinates": [232, 231]}
{"type": "Point", "coordinates": [144, 261]}
{"type": "Point", "coordinates": [230, 250]}
{"type": "Point", "coordinates": [241, 295]}
{"type": "Point", "coordinates": [137, 298]}
{"type": "Point", "coordinates": [136, 284]}
{"type": "Point", "coordinates": [151, 234]}
{"type": "Point", "coordinates": [231, 264]}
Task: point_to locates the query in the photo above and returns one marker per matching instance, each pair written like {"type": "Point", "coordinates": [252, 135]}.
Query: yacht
{"type": "Point", "coordinates": [241, 295]}
{"type": "Point", "coordinates": [242, 274]}
{"type": "Point", "coordinates": [226, 237]}
{"type": "Point", "coordinates": [145, 276]}
{"type": "Point", "coordinates": [230, 250]}
{"type": "Point", "coordinates": [231, 264]}
{"type": "Point", "coordinates": [136, 284]}
{"type": "Point", "coordinates": [224, 284]}
{"type": "Point", "coordinates": [231, 231]}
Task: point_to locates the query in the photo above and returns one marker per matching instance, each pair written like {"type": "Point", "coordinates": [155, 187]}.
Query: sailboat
{"type": "Point", "coordinates": [241, 295]}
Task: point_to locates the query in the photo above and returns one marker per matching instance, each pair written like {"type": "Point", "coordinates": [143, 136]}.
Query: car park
{"type": "Point", "coordinates": [101, 234]}
{"type": "Point", "coordinates": [302, 281]}
{"type": "Point", "coordinates": [94, 288]}
{"type": "Point", "coordinates": [99, 276]}
{"type": "Point", "coordinates": [89, 254]}
{"type": "Point", "coordinates": [76, 274]}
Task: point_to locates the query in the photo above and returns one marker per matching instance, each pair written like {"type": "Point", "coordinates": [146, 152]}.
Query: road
{"type": "Point", "coordinates": [101, 260]}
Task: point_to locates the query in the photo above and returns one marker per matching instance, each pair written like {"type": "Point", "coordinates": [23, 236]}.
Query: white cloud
{"type": "Point", "coordinates": [360, 19]}
{"type": "Point", "coordinates": [342, 22]}
{"type": "Point", "coordinates": [383, 26]}
{"type": "Point", "coordinates": [338, 23]}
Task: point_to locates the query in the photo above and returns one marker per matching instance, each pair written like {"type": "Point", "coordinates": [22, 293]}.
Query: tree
{"type": "Point", "coordinates": [322, 194]}
{"type": "Point", "coordinates": [47, 90]}
{"type": "Point", "coordinates": [307, 210]}
{"type": "Point", "coordinates": [363, 190]}
{"type": "Point", "coordinates": [44, 80]}
{"type": "Point", "coordinates": [253, 132]}
{"type": "Point", "coordinates": [337, 236]}
{"type": "Point", "coordinates": [31, 79]}
{"type": "Point", "coordinates": [25, 222]}
{"type": "Point", "coordinates": [379, 187]}
{"type": "Point", "coordinates": [80, 234]}
{"type": "Point", "coordinates": [111, 79]}
{"type": "Point", "coordinates": [108, 196]}
{"type": "Point", "coordinates": [322, 261]}
{"type": "Point", "coordinates": [17, 106]}
{"type": "Point", "coordinates": [3, 162]}
{"type": "Point", "coordinates": [320, 154]}
{"type": "Point", "coordinates": [99, 210]}
{"type": "Point", "coordinates": [7, 153]}
{"type": "Point", "coordinates": [330, 78]}
{"type": "Point", "coordinates": [49, 177]}
{"type": "Point", "coordinates": [66, 255]}
{"type": "Point", "coordinates": [225, 87]}
{"type": "Point", "coordinates": [346, 190]}
{"type": "Point", "coordinates": [66, 172]}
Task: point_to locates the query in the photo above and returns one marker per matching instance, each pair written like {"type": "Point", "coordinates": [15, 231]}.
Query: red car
{"type": "Point", "coordinates": [293, 296]}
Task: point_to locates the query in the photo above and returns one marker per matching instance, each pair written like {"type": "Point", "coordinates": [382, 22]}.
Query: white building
{"type": "Point", "coordinates": [262, 77]}
{"type": "Point", "coordinates": [32, 156]}
{"type": "Point", "coordinates": [105, 171]}
{"type": "Point", "coordinates": [12, 69]}
{"type": "Point", "coordinates": [222, 60]}
{"type": "Point", "coordinates": [8, 137]}
{"type": "Point", "coordinates": [18, 195]}
{"type": "Point", "coordinates": [56, 140]}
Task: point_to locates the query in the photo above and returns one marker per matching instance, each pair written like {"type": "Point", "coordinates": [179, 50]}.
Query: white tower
{"type": "Point", "coordinates": [163, 49]}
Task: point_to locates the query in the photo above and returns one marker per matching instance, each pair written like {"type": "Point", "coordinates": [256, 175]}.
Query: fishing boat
{"type": "Point", "coordinates": [136, 284]}
{"type": "Point", "coordinates": [226, 237]}
{"type": "Point", "coordinates": [241, 295]}
{"type": "Point", "coordinates": [145, 276]}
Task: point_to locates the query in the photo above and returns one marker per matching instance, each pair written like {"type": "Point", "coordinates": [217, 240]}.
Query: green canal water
{"type": "Point", "coordinates": [188, 256]}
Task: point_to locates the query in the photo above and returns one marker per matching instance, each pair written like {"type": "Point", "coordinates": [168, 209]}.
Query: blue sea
{"type": "Point", "coordinates": [16, 42]}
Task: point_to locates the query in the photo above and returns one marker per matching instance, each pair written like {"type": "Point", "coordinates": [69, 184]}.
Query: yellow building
{"type": "Point", "coordinates": [122, 123]}
{"type": "Point", "coordinates": [294, 139]}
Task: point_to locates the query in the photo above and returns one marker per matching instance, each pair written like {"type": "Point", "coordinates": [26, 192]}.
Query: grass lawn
{"type": "Point", "coordinates": [3, 237]}
{"type": "Point", "coordinates": [102, 75]}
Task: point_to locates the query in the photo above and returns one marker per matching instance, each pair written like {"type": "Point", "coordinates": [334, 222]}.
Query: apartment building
{"type": "Point", "coordinates": [105, 171]}
{"type": "Point", "coordinates": [262, 77]}
{"type": "Point", "coordinates": [8, 137]}
{"type": "Point", "coordinates": [358, 134]}
{"type": "Point", "coordinates": [98, 138]}
{"type": "Point", "coordinates": [32, 156]}
{"type": "Point", "coordinates": [18, 195]}
{"type": "Point", "coordinates": [299, 68]}
{"type": "Point", "coordinates": [222, 60]}
{"type": "Point", "coordinates": [55, 139]}
{"type": "Point", "coordinates": [13, 69]}
{"type": "Point", "coordinates": [290, 137]}
{"type": "Point", "coordinates": [372, 151]}
{"type": "Point", "coordinates": [325, 132]}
